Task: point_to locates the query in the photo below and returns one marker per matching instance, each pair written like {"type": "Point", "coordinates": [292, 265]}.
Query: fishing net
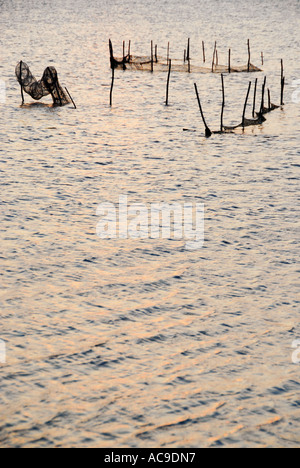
{"type": "Point", "coordinates": [258, 117]}
{"type": "Point", "coordinates": [246, 123]}
{"type": "Point", "coordinates": [155, 63]}
{"type": "Point", "coordinates": [49, 84]}
{"type": "Point", "coordinates": [160, 64]}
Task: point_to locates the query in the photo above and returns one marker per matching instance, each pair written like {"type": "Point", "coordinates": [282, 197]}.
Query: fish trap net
{"type": "Point", "coordinates": [48, 85]}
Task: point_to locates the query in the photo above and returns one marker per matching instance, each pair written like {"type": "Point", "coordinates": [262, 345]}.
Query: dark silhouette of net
{"type": "Point", "coordinates": [162, 65]}
{"type": "Point", "coordinates": [155, 63]}
{"type": "Point", "coordinates": [49, 84]}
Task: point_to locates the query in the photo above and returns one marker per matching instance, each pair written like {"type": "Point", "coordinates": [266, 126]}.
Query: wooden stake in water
{"type": "Point", "coordinates": [208, 133]}
{"type": "Point", "coordinates": [168, 83]}
{"type": "Point", "coordinates": [188, 56]}
{"type": "Point", "coordinates": [22, 92]}
{"type": "Point", "coordinates": [262, 58]}
{"type": "Point", "coordinates": [245, 106]}
{"type": "Point", "coordinates": [282, 91]}
{"type": "Point", "coordinates": [111, 52]}
{"type": "Point", "coordinates": [214, 55]}
{"type": "Point", "coordinates": [112, 85]}
{"type": "Point", "coordinates": [229, 61]}
{"type": "Point", "coordinates": [188, 50]}
{"type": "Point", "coordinates": [124, 66]}
{"type": "Point", "coordinates": [22, 95]}
{"type": "Point", "coordinates": [203, 51]}
{"type": "Point", "coordinates": [249, 55]}
{"type": "Point", "coordinates": [282, 84]}
{"type": "Point", "coordinates": [151, 56]}
{"type": "Point", "coordinates": [254, 98]}
{"type": "Point", "coordinates": [223, 102]}
{"type": "Point", "coordinates": [71, 98]}
{"type": "Point", "coordinates": [262, 106]}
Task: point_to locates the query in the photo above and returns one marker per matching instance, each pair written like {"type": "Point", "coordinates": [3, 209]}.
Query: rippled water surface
{"type": "Point", "coordinates": [143, 343]}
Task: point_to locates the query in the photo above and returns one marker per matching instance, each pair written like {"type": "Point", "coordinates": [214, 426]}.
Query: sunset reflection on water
{"type": "Point", "coordinates": [143, 343]}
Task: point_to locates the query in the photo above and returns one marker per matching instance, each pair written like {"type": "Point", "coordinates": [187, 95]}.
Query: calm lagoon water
{"type": "Point", "coordinates": [143, 343]}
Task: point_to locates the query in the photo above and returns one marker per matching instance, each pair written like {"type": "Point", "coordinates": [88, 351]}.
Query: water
{"type": "Point", "coordinates": [143, 343]}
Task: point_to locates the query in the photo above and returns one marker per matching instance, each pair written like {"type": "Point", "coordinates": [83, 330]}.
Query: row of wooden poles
{"type": "Point", "coordinates": [208, 132]}
{"type": "Point", "coordinates": [259, 115]}
{"type": "Point", "coordinates": [187, 55]}
{"type": "Point", "coordinates": [223, 94]}
{"type": "Point", "coordinates": [215, 60]}
{"type": "Point", "coordinates": [186, 58]}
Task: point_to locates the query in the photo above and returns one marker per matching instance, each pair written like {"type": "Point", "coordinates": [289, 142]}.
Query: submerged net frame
{"type": "Point", "coordinates": [155, 63]}
{"type": "Point", "coordinates": [48, 85]}
{"type": "Point", "coordinates": [258, 117]}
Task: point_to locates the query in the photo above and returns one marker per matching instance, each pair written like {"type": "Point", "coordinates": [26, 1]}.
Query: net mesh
{"type": "Point", "coordinates": [155, 63]}
{"type": "Point", "coordinates": [144, 63]}
{"type": "Point", "coordinates": [49, 84]}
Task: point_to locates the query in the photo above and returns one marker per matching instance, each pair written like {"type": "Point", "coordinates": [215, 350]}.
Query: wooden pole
{"type": "Point", "coordinates": [269, 100]}
{"type": "Point", "coordinates": [246, 102]}
{"type": "Point", "coordinates": [22, 92]}
{"type": "Point", "coordinates": [188, 50]}
{"type": "Point", "coordinates": [282, 91]}
{"type": "Point", "coordinates": [262, 58]}
{"type": "Point", "coordinates": [254, 98]}
{"type": "Point", "coordinates": [111, 52]}
{"type": "Point", "coordinates": [208, 133]}
{"type": "Point", "coordinates": [223, 102]}
{"type": "Point", "coordinates": [249, 55]}
{"type": "Point", "coordinates": [71, 98]}
{"type": "Point", "coordinates": [151, 56]}
{"type": "Point", "coordinates": [168, 52]}
{"type": "Point", "coordinates": [112, 85]}
{"type": "Point", "coordinates": [214, 54]}
{"type": "Point", "coordinates": [203, 51]}
{"type": "Point", "coordinates": [156, 59]}
{"type": "Point", "coordinates": [282, 84]}
{"type": "Point", "coordinates": [229, 61]}
{"type": "Point", "coordinates": [263, 97]}
{"type": "Point", "coordinates": [168, 82]}
{"type": "Point", "coordinates": [129, 46]}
